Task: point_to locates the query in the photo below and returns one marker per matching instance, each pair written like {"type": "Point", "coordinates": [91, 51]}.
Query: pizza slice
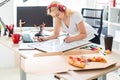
{"type": "Point", "coordinates": [96, 59]}
{"type": "Point", "coordinates": [81, 61]}
{"type": "Point", "coordinates": [77, 61]}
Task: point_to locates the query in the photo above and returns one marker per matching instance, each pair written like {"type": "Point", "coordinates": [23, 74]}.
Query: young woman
{"type": "Point", "coordinates": [70, 22]}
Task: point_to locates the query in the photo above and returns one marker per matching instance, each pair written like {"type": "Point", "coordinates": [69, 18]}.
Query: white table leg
{"type": "Point", "coordinates": [102, 77]}
{"type": "Point", "coordinates": [22, 73]}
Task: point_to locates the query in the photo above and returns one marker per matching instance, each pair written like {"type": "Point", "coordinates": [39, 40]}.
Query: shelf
{"type": "Point", "coordinates": [114, 15]}
{"type": "Point", "coordinates": [114, 7]}
{"type": "Point", "coordinates": [114, 24]}
{"type": "Point", "coordinates": [117, 40]}
{"type": "Point", "coordinates": [105, 21]}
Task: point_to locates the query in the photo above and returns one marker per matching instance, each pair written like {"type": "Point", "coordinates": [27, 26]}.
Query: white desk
{"type": "Point", "coordinates": [92, 74]}
{"type": "Point", "coordinates": [84, 75]}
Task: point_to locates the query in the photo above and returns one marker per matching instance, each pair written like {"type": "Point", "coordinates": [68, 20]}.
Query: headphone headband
{"type": "Point", "coordinates": [53, 5]}
{"type": "Point", "coordinates": [59, 6]}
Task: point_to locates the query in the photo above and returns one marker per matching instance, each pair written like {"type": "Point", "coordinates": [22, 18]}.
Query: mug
{"type": "Point", "coordinates": [16, 38]}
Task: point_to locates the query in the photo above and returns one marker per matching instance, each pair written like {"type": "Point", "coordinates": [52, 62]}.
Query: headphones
{"type": "Point", "coordinates": [61, 8]}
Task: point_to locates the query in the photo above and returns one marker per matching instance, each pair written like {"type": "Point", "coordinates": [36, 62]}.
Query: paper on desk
{"type": "Point", "coordinates": [24, 46]}
{"type": "Point", "coordinates": [55, 45]}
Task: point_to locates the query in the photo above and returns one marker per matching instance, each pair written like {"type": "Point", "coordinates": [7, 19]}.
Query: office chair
{"type": "Point", "coordinates": [94, 17]}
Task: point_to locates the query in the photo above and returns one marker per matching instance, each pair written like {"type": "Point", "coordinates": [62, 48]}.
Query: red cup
{"type": "Point", "coordinates": [16, 38]}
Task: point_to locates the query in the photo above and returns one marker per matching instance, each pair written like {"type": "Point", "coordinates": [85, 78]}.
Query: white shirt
{"type": "Point", "coordinates": [72, 29]}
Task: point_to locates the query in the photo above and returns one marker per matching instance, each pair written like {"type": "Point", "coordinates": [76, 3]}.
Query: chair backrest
{"type": "Point", "coordinates": [94, 17]}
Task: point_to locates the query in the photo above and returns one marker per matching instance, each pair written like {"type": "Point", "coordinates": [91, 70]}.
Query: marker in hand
{"type": "Point", "coordinates": [67, 38]}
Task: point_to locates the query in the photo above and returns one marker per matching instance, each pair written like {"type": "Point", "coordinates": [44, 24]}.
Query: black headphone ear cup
{"type": "Point", "coordinates": [62, 8]}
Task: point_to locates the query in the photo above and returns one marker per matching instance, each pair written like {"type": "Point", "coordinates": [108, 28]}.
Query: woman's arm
{"type": "Point", "coordinates": [82, 33]}
{"type": "Point", "coordinates": [55, 34]}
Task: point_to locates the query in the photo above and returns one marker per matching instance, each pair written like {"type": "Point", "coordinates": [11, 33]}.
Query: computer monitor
{"type": "Point", "coordinates": [33, 16]}
{"type": "Point", "coordinates": [25, 0]}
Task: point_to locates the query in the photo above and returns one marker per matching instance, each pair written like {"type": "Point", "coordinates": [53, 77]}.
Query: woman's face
{"type": "Point", "coordinates": [58, 14]}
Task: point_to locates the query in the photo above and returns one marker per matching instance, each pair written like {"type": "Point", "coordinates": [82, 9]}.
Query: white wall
{"type": "Point", "coordinates": [6, 12]}
{"type": "Point", "coordinates": [72, 4]}
{"type": "Point", "coordinates": [90, 3]}
{"type": "Point", "coordinates": [7, 57]}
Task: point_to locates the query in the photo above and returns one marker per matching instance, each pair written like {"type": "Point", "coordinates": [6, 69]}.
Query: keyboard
{"type": "Point", "coordinates": [27, 38]}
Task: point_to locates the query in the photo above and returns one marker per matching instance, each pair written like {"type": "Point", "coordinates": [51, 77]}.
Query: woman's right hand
{"type": "Point", "coordinates": [41, 39]}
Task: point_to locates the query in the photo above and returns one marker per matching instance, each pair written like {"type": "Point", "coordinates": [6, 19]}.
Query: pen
{"type": "Point", "coordinates": [57, 77]}
{"type": "Point", "coordinates": [66, 37]}
{"type": "Point", "coordinates": [67, 34]}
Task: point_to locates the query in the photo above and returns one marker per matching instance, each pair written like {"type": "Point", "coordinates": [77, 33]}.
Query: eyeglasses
{"type": "Point", "coordinates": [57, 14]}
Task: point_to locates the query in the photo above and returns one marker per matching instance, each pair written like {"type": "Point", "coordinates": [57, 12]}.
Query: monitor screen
{"type": "Point", "coordinates": [33, 16]}
{"type": "Point", "coordinates": [25, 0]}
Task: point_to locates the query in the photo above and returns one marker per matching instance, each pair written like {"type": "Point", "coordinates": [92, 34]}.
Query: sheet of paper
{"type": "Point", "coordinates": [24, 46]}
{"type": "Point", "coordinates": [55, 45]}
